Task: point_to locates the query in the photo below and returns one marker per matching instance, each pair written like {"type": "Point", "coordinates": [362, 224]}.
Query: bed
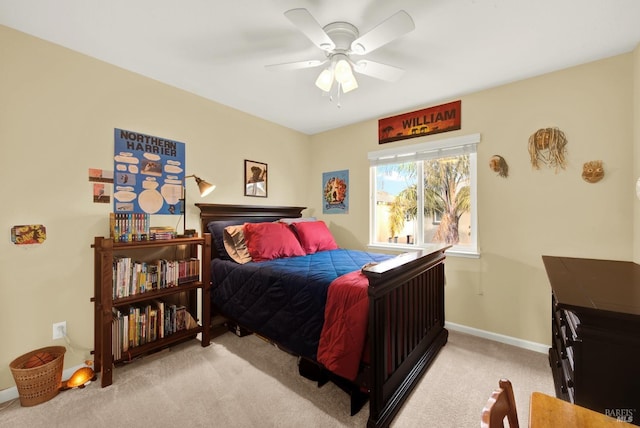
{"type": "Point", "coordinates": [403, 327]}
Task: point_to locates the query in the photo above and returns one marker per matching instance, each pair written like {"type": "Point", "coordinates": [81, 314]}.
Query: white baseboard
{"type": "Point", "coordinates": [12, 393]}
{"type": "Point", "coordinates": [520, 343]}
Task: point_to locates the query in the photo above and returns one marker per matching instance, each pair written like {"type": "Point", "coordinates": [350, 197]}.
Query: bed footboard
{"type": "Point", "coordinates": [406, 327]}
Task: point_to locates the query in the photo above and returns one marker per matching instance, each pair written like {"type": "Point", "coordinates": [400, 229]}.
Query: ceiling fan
{"type": "Point", "coordinates": [341, 40]}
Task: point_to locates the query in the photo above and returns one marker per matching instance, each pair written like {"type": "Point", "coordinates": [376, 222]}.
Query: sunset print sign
{"type": "Point", "coordinates": [432, 120]}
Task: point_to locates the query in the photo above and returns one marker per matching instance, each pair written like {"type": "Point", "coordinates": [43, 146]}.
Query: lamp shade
{"type": "Point", "coordinates": [205, 187]}
{"type": "Point", "coordinates": [349, 85]}
{"type": "Point", "coordinates": [325, 80]}
{"type": "Point", "coordinates": [343, 71]}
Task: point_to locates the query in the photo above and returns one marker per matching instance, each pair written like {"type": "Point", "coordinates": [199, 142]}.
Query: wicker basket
{"type": "Point", "coordinates": [38, 384]}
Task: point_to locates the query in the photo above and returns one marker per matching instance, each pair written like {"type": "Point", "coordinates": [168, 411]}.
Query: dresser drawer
{"type": "Point", "coordinates": [563, 334]}
{"type": "Point", "coordinates": [559, 376]}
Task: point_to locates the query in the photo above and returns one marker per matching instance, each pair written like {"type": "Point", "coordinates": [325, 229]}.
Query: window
{"type": "Point", "coordinates": [425, 193]}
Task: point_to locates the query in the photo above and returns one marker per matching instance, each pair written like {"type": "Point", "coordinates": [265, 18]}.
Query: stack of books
{"type": "Point", "coordinates": [162, 232]}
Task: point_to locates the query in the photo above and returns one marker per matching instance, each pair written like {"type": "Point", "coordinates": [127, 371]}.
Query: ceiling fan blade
{"type": "Point", "coordinates": [378, 70]}
{"type": "Point", "coordinates": [308, 25]}
{"type": "Point", "coordinates": [390, 29]}
{"type": "Point", "coordinates": [295, 65]}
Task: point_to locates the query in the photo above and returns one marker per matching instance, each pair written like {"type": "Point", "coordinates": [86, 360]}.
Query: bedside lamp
{"type": "Point", "coordinates": [204, 187]}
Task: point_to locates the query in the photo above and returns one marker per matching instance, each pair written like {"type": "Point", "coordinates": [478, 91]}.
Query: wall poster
{"type": "Point", "coordinates": [432, 120]}
{"type": "Point", "coordinates": [335, 190]}
{"type": "Point", "coordinates": [148, 173]}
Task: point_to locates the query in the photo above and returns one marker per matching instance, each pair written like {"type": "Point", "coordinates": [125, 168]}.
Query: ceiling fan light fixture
{"type": "Point", "coordinates": [343, 71]}
{"type": "Point", "coordinates": [325, 80]}
{"type": "Point", "coordinates": [349, 85]}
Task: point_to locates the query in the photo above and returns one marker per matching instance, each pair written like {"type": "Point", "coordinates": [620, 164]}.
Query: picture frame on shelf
{"type": "Point", "coordinates": [255, 179]}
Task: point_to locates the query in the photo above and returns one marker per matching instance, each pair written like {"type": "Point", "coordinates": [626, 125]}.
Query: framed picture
{"type": "Point", "coordinates": [255, 179]}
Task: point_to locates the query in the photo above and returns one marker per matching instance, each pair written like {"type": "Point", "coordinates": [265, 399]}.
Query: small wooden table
{"type": "Point", "coordinates": [551, 412]}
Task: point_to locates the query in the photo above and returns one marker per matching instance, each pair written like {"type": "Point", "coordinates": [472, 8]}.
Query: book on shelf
{"type": "Point", "coordinates": [181, 318]}
{"type": "Point", "coordinates": [120, 334]}
{"type": "Point", "coordinates": [159, 304]}
{"type": "Point", "coordinates": [170, 318]}
{"type": "Point", "coordinates": [116, 348]}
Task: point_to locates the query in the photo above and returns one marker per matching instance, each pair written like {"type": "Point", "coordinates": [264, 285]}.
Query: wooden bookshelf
{"type": "Point", "coordinates": [106, 251]}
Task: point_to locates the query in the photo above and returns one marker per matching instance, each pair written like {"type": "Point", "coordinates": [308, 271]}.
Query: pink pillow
{"type": "Point", "coordinates": [314, 236]}
{"type": "Point", "coordinates": [266, 241]}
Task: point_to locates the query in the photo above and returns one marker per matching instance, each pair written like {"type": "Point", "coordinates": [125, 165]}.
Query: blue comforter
{"type": "Point", "coordinates": [283, 299]}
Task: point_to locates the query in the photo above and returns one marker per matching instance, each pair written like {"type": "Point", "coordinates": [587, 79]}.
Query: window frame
{"type": "Point", "coordinates": [419, 152]}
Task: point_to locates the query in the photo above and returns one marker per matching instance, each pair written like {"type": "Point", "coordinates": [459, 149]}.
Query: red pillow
{"type": "Point", "coordinates": [314, 236]}
{"type": "Point", "coordinates": [266, 241]}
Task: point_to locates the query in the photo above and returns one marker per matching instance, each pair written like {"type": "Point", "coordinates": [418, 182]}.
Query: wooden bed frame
{"type": "Point", "coordinates": [406, 313]}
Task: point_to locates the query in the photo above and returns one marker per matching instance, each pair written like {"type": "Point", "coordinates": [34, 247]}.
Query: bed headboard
{"type": "Point", "coordinates": [250, 213]}
{"type": "Point", "coordinates": [210, 212]}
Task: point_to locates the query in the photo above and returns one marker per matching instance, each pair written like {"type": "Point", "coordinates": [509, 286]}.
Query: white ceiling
{"type": "Point", "coordinates": [218, 48]}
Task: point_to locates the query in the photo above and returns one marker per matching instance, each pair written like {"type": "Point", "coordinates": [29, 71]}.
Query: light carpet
{"type": "Point", "coordinates": [246, 382]}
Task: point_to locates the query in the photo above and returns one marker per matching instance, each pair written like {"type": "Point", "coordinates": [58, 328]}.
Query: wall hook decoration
{"type": "Point", "coordinates": [592, 171]}
{"type": "Point", "coordinates": [548, 146]}
{"type": "Point", "coordinates": [499, 165]}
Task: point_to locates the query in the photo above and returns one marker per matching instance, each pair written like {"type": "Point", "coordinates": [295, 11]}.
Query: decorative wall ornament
{"type": "Point", "coordinates": [592, 171]}
{"type": "Point", "coordinates": [28, 234]}
{"type": "Point", "coordinates": [499, 165]}
{"type": "Point", "coordinates": [549, 147]}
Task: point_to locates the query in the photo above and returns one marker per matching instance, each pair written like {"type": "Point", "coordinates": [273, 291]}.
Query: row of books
{"type": "Point", "coordinates": [127, 227]}
{"type": "Point", "coordinates": [132, 277]}
{"type": "Point", "coordinates": [147, 323]}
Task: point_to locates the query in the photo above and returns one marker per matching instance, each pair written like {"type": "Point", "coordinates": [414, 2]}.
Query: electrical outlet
{"type": "Point", "coordinates": [59, 330]}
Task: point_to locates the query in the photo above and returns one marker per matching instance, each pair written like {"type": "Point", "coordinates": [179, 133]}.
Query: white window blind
{"type": "Point", "coordinates": [455, 146]}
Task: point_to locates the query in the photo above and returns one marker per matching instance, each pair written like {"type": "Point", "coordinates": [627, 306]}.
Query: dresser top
{"type": "Point", "coordinates": [592, 284]}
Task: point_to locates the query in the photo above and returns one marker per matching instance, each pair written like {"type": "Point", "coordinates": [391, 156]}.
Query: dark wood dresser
{"type": "Point", "coordinates": [595, 353]}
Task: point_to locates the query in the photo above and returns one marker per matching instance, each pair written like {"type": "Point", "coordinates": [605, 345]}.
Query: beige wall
{"type": "Point", "coordinates": [530, 213]}
{"type": "Point", "coordinates": [58, 110]}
